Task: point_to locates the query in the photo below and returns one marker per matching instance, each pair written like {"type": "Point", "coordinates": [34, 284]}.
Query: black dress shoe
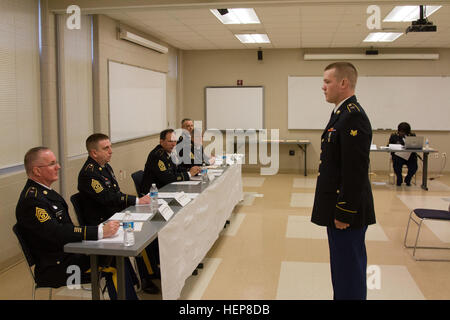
{"type": "Point", "coordinates": [149, 287]}
{"type": "Point", "coordinates": [408, 184]}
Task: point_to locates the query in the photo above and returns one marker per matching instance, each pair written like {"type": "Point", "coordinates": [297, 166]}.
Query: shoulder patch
{"type": "Point", "coordinates": [351, 107]}
{"type": "Point", "coordinates": [42, 215]}
{"type": "Point", "coordinates": [162, 166]}
{"type": "Point", "coordinates": [31, 192]}
{"type": "Point", "coordinates": [96, 186]}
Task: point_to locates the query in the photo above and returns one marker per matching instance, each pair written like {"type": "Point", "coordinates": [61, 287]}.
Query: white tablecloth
{"type": "Point", "coordinates": [187, 238]}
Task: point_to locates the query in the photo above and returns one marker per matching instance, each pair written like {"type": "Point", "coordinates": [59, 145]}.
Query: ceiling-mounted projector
{"type": "Point", "coordinates": [422, 24]}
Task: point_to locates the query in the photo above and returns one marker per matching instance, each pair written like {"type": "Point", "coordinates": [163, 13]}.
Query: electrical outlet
{"type": "Point", "coordinates": [436, 155]}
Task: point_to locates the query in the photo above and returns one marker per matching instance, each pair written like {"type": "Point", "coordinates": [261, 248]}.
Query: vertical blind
{"type": "Point", "coordinates": [77, 84]}
{"type": "Point", "coordinates": [20, 106]}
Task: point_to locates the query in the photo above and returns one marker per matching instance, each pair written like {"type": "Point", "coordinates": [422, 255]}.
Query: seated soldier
{"type": "Point", "coordinates": [399, 159]}
{"type": "Point", "coordinates": [160, 167]}
{"type": "Point", "coordinates": [44, 222]}
{"type": "Point", "coordinates": [102, 198]}
{"type": "Point", "coordinates": [197, 156]}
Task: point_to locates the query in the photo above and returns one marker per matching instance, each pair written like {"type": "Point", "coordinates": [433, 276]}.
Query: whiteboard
{"type": "Point", "coordinates": [137, 102]}
{"type": "Point", "coordinates": [234, 108]}
{"type": "Point", "coordinates": [423, 102]}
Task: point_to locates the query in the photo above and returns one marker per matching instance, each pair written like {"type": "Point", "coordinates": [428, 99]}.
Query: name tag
{"type": "Point", "coordinates": [165, 211]}
{"type": "Point", "coordinates": [59, 214]}
{"type": "Point", "coordinates": [182, 199]}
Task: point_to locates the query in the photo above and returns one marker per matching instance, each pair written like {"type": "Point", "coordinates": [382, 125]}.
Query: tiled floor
{"type": "Point", "coordinates": [270, 250]}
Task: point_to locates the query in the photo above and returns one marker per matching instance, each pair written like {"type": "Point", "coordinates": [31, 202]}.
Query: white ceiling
{"type": "Point", "coordinates": [288, 26]}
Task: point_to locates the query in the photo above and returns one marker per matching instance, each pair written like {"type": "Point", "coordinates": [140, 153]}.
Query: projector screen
{"type": "Point", "coordinates": [137, 102]}
{"type": "Point", "coordinates": [423, 102]}
{"type": "Point", "coordinates": [234, 108]}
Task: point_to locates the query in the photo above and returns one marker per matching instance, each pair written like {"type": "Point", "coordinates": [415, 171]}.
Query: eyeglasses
{"type": "Point", "coordinates": [51, 164]}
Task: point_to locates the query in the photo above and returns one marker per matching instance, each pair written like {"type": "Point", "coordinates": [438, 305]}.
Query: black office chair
{"type": "Point", "coordinates": [78, 206]}
{"type": "Point", "coordinates": [30, 262]}
{"type": "Point", "coordinates": [138, 176]}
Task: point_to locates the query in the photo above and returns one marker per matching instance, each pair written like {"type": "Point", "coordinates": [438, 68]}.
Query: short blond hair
{"type": "Point", "coordinates": [344, 70]}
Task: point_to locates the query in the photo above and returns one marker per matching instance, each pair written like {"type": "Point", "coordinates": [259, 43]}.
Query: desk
{"type": "Point", "coordinates": [184, 240]}
{"type": "Point", "coordinates": [425, 160]}
{"type": "Point", "coordinates": [301, 143]}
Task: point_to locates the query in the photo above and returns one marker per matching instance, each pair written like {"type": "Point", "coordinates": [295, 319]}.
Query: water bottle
{"type": "Point", "coordinates": [128, 230]}
{"type": "Point", "coordinates": [224, 160]}
{"type": "Point", "coordinates": [427, 144]}
{"type": "Point", "coordinates": [204, 173]}
{"type": "Point", "coordinates": [154, 198]}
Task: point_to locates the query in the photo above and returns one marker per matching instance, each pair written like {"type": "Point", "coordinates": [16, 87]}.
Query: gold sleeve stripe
{"type": "Point", "coordinates": [349, 211]}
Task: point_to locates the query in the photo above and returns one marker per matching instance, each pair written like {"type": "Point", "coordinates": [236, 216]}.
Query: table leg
{"type": "Point", "coordinates": [425, 171]}
{"type": "Point", "coordinates": [303, 147]}
{"type": "Point", "coordinates": [305, 160]}
{"type": "Point", "coordinates": [94, 278]}
{"type": "Point", "coordinates": [120, 264]}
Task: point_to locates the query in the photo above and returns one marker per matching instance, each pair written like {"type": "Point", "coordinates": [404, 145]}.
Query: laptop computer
{"type": "Point", "coordinates": [413, 142]}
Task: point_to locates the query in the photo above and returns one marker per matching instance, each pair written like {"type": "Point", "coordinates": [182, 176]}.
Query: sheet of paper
{"type": "Point", "coordinates": [138, 226]}
{"type": "Point", "coordinates": [404, 155]}
{"type": "Point", "coordinates": [196, 178]}
{"type": "Point", "coordinates": [373, 147]}
{"type": "Point", "coordinates": [216, 171]}
{"type": "Point", "coordinates": [395, 146]}
{"type": "Point", "coordinates": [193, 183]}
{"type": "Point", "coordinates": [166, 195]}
{"type": "Point", "coordinates": [134, 216]}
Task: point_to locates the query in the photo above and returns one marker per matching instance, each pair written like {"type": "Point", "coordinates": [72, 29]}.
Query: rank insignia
{"type": "Point", "coordinates": [162, 166]}
{"type": "Point", "coordinates": [353, 132]}
{"type": "Point", "coordinates": [42, 215]}
{"type": "Point", "coordinates": [96, 186]}
{"type": "Point", "coordinates": [31, 191]}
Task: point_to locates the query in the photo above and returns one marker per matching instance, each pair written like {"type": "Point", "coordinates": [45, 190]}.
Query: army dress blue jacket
{"type": "Point", "coordinates": [343, 190]}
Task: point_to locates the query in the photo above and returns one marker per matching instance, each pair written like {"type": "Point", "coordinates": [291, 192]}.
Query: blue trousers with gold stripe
{"type": "Point", "coordinates": [348, 262]}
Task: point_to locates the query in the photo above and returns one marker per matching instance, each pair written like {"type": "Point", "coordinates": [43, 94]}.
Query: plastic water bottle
{"type": "Point", "coordinates": [204, 174]}
{"type": "Point", "coordinates": [224, 160]}
{"type": "Point", "coordinates": [128, 230]}
{"type": "Point", "coordinates": [427, 144]}
{"type": "Point", "coordinates": [154, 198]}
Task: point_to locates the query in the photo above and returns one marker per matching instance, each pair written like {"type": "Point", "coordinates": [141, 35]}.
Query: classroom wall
{"type": "Point", "coordinates": [224, 67]}
{"type": "Point", "coordinates": [128, 156]}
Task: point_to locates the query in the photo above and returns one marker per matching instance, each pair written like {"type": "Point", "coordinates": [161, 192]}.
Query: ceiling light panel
{"type": "Point", "coordinates": [237, 16]}
{"type": "Point", "coordinates": [253, 38]}
{"type": "Point", "coordinates": [409, 13]}
{"type": "Point", "coordinates": [382, 36]}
